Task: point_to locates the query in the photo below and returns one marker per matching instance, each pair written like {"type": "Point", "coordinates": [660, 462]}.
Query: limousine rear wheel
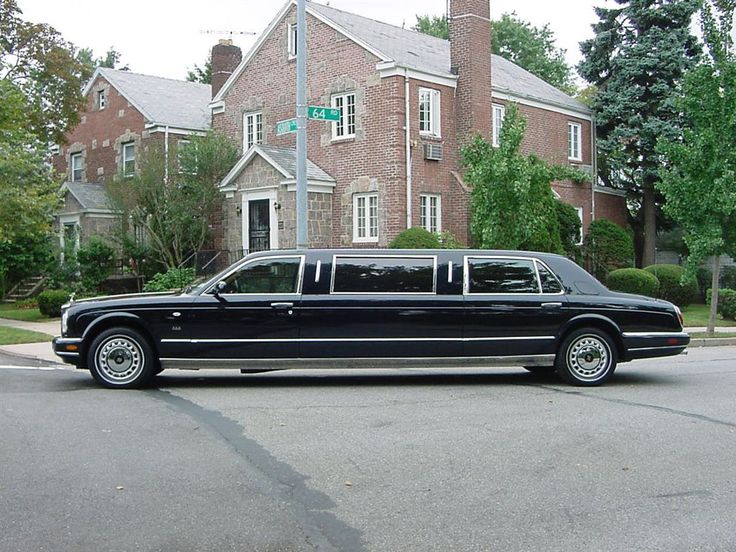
{"type": "Point", "coordinates": [121, 358]}
{"type": "Point", "coordinates": [586, 357]}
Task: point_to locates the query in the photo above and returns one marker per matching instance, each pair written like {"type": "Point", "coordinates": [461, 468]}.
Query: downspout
{"type": "Point", "coordinates": [166, 154]}
{"type": "Point", "coordinates": [594, 161]}
{"type": "Point", "coordinates": [407, 128]}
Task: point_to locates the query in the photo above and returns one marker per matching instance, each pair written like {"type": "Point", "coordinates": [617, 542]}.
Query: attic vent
{"type": "Point", "coordinates": [433, 152]}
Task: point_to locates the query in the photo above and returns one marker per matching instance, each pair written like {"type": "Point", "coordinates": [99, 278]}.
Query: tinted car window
{"type": "Point", "coordinates": [548, 281]}
{"type": "Point", "coordinates": [502, 276]}
{"type": "Point", "coordinates": [383, 275]}
{"type": "Point", "coordinates": [265, 276]}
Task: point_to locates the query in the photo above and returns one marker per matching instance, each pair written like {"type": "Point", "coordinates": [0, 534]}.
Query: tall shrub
{"type": "Point", "coordinates": [608, 247]}
{"type": "Point", "coordinates": [95, 260]}
{"type": "Point", "coordinates": [671, 285]}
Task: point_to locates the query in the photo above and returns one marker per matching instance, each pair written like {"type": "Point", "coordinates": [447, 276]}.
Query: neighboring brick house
{"type": "Point", "coordinates": [407, 100]}
{"type": "Point", "coordinates": [123, 112]}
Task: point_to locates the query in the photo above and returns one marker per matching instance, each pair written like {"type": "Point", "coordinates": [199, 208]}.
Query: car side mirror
{"type": "Point", "coordinates": [219, 286]}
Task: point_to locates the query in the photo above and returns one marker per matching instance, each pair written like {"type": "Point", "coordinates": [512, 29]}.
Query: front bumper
{"type": "Point", "coordinates": [68, 349]}
{"type": "Point", "coordinates": [654, 344]}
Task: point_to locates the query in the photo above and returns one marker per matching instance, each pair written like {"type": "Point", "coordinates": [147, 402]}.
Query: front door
{"type": "Point", "coordinates": [259, 225]}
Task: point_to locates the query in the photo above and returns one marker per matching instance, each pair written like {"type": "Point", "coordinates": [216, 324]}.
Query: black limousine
{"type": "Point", "coordinates": [374, 308]}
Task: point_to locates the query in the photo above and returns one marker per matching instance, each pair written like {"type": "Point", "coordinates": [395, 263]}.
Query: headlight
{"type": "Point", "coordinates": [64, 319]}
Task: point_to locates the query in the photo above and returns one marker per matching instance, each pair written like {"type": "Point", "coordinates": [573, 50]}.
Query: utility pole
{"type": "Point", "coordinates": [301, 126]}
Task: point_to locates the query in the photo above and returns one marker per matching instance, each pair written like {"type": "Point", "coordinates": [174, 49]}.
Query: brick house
{"type": "Point", "coordinates": [408, 102]}
{"type": "Point", "coordinates": [123, 112]}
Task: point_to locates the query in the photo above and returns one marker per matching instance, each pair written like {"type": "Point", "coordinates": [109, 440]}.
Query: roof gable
{"type": "Point", "coordinates": [89, 196]}
{"type": "Point", "coordinates": [281, 159]}
{"type": "Point", "coordinates": [161, 101]}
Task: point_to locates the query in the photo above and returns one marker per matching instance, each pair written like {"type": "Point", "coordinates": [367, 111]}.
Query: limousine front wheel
{"type": "Point", "coordinates": [586, 357]}
{"type": "Point", "coordinates": [121, 358]}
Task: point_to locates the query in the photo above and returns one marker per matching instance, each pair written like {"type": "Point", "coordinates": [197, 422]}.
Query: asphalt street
{"type": "Point", "coordinates": [487, 460]}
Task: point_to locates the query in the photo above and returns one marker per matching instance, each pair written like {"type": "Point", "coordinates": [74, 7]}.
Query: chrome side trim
{"type": "Point", "coordinates": [64, 353]}
{"type": "Point", "coordinates": [350, 363]}
{"type": "Point", "coordinates": [360, 339]}
{"type": "Point", "coordinates": [655, 334]}
{"type": "Point", "coordinates": [657, 348]}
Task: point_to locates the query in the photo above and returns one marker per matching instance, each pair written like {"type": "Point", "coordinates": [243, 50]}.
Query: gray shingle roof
{"type": "Point", "coordinates": [285, 158]}
{"type": "Point", "coordinates": [175, 103]}
{"type": "Point", "coordinates": [426, 53]}
{"type": "Point", "coordinates": [89, 196]}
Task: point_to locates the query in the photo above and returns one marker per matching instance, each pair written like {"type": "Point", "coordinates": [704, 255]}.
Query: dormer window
{"type": "Point", "coordinates": [101, 99]}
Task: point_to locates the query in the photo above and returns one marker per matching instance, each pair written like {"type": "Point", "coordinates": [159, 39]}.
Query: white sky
{"type": "Point", "coordinates": [165, 38]}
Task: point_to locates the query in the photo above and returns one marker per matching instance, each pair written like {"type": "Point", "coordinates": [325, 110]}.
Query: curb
{"type": "Point", "coordinates": [712, 342]}
{"type": "Point", "coordinates": [30, 358]}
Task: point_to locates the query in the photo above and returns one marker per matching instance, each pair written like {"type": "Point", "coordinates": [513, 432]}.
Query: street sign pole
{"type": "Point", "coordinates": [301, 126]}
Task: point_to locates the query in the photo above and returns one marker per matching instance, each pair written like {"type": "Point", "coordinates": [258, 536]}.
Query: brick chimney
{"type": "Point", "coordinates": [225, 58]}
{"type": "Point", "coordinates": [470, 60]}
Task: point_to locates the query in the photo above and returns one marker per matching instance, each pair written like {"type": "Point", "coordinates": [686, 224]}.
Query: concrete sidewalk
{"type": "Point", "coordinates": [39, 351]}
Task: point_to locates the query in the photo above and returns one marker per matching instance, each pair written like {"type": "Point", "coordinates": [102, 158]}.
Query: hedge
{"type": "Point", "coordinates": [172, 279]}
{"type": "Point", "coordinates": [50, 302]}
{"type": "Point", "coordinates": [633, 280]}
{"type": "Point", "coordinates": [726, 302]}
{"type": "Point", "coordinates": [671, 287]}
{"type": "Point", "coordinates": [608, 247]}
{"type": "Point", "coordinates": [415, 238]}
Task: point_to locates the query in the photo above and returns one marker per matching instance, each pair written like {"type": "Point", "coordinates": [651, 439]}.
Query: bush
{"type": "Point", "coordinates": [448, 240]}
{"type": "Point", "coordinates": [671, 287]}
{"type": "Point", "coordinates": [415, 238]}
{"type": "Point", "coordinates": [95, 263]}
{"type": "Point", "coordinates": [172, 279]}
{"type": "Point", "coordinates": [50, 302]}
{"type": "Point", "coordinates": [726, 302]}
{"type": "Point", "coordinates": [633, 280]}
{"type": "Point", "coordinates": [608, 247]}
{"type": "Point", "coordinates": [569, 221]}
{"type": "Point", "coordinates": [27, 304]}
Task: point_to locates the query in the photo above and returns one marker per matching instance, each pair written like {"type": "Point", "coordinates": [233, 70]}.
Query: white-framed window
{"type": "Point", "coordinates": [574, 135]}
{"type": "Point", "coordinates": [345, 126]}
{"type": "Point", "coordinates": [430, 212]}
{"type": "Point", "coordinates": [499, 112]}
{"type": "Point", "coordinates": [579, 211]}
{"type": "Point", "coordinates": [101, 99]}
{"type": "Point", "coordinates": [365, 218]}
{"type": "Point", "coordinates": [252, 130]}
{"type": "Point", "coordinates": [75, 162]}
{"type": "Point", "coordinates": [292, 41]}
{"type": "Point", "coordinates": [429, 112]}
{"type": "Point", "coordinates": [129, 159]}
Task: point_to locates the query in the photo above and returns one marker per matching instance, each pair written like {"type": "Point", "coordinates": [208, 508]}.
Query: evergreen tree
{"type": "Point", "coordinates": [637, 58]}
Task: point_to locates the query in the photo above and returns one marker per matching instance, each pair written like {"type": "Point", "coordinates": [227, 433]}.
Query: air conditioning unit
{"type": "Point", "coordinates": [433, 152]}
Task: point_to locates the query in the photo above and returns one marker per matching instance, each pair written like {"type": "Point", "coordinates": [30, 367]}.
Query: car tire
{"type": "Point", "coordinates": [121, 358]}
{"type": "Point", "coordinates": [586, 357]}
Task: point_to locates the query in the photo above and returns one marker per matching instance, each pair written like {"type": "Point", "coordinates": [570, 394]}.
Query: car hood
{"type": "Point", "coordinates": [131, 296]}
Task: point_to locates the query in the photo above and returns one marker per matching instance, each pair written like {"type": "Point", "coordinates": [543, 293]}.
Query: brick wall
{"type": "Point", "coordinates": [611, 207]}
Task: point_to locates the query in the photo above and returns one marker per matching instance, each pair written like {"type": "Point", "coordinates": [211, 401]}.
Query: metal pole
{"type": "Point", "coordinates": [301, 126]}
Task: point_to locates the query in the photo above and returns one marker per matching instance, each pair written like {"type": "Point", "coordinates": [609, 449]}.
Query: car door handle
{"type": "Point", "coordinates": [551, 306]}
{"type": "Point", "coordinates": [280, 307]}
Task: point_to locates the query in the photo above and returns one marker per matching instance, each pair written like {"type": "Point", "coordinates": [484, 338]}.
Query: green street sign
{"type": "Point", "coordinates": [285, 127]}
{"type": "Point", "coordinates": [323, 113]}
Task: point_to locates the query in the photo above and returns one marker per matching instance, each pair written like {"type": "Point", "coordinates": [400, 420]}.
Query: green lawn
{"type": "Point", "coordinates": [697, 315]}
{"type": "Point", "coordinates": [718, 334]}
{"type": "Point", "coordinates": [8, 310]}
{"type": "Point", "coordinates": [12, 336]}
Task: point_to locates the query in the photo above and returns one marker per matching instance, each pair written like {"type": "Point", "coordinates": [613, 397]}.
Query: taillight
{"type": "Point", "coordinates": [679, 316]}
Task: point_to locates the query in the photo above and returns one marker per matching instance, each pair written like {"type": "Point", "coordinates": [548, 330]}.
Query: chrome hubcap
{"type": "Point", "coordinates": [589, 358]}
{"type": "Point", "coordinates": [119, 359]}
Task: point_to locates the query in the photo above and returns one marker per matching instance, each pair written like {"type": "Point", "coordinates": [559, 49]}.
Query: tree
{"type": "Point", "coordinates": [699, 176]}
{"type": "Point", "coordinates": [516, 40]}
{"type": "Point", "coordinates": [173, 197]}
{"type": "Point", "coordinates": [201, 74]}
{"type": "Point", "coordinates": [89, 62]}
{"type": "Point", "coordinates": [28, 191]}
{"type": "Point", "coordinates": [637, 59]}
{"type": "Point", "coordinates": [512, 202]}
{"type": "Point", "coordinates": [38, 61]}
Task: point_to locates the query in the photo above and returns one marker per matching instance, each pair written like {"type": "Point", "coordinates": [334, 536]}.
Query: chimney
{"type": "Point", "coordinates": [470, 60]}
{"type": "Point", "coordinates": [225, 58]}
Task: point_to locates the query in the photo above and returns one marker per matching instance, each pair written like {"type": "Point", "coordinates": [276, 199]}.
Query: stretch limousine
{"type": "Point", "coordinates": [374, 308]}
